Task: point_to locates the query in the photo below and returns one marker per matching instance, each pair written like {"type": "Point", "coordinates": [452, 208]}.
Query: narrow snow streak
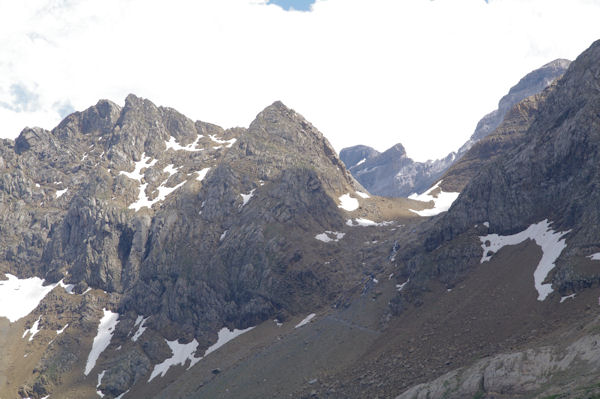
{"type": "Point", "coordinates": [106, 328]}
{"type": "Point", "coordinates": [306, 320]}
{"type": "Point", "coordinates": [551, 242]}
{"type": "Point", "coordinates": [363, 195]}
{"type": "Point", "coordinates": [33, 330]}
{"type": "Point", "coordinates": [228, 143]}
{"type": "Point", "coordinates": [564, 298]}
{"type": "Point", "coordinates": [441, 203]}
{"type": "Point", "coordinates": [139, 321]}
{"type": "Point", "coordinates": [348, 203]}
{"type": "Point", "coordinates": [19, 297]}
{"type": "Point", "coordinates": [59, 193]}
{"type": "Point", "coordinates": [62, 330]}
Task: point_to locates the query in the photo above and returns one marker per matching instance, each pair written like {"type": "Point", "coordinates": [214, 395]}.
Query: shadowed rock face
{"type": "Point", "coordinates": [393, 174]}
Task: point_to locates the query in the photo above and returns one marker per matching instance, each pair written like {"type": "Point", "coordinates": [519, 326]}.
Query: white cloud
{"type": "Point", "coordinates": [374, 72]}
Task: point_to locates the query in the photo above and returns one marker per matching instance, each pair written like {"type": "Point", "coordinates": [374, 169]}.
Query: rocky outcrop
{"type": "Point", "coordinates": [520, 374]}
{"type": "Point", "coordinates": [393, 174]}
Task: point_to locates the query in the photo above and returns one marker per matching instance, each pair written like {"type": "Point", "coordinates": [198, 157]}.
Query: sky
{"type": "Point", "coordinates": [373, 72]}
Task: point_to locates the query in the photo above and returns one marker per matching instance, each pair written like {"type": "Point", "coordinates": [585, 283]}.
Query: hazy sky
{"type": "Point", "coordinates": [373, 72]}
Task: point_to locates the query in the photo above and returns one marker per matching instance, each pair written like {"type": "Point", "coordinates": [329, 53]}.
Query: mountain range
{"type": "Point", "coordinates": [393, 174]}
{"type": "Point", "coordinates": [146, 255]}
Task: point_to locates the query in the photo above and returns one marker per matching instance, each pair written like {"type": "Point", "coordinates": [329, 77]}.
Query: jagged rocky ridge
{"type": "Point", "coordinates": [227, 236]}
{"type": "Point", "coordinates": [392, 173]}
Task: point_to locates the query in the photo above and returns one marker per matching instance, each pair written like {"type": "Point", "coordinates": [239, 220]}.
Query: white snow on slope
{"type": "Point", "coordinates": [361, 222]}
{"type": "Point", "coordinates": [595, 256]}
{"type": "Point", "coordinates": [246, 197]}
{"type": "Point", "coordinates": [550, 241]}
{"type": "Point", "coordinates": [363, 195]}
{"type": "Point", "coordinates": [62, 330]}
{"type": "Point", "coordinates": [172, 144]}
{"type": "Point", "coordinates": [326, 237]}
{"type": "Point", "coordinates": [18, 297]}
{"type": "Point", "coordinates": [306, 320]}
{"type": "Point", "coordinates": [348, 203]}
{"type": "Point", "coordinates": [139, 323]}
{"type": "Point", "coordinates": [181, 354]}
{"type": "Point", "coordinates": [225, 335]}
{"type": "Point", "coordinates": [106, 328]}
{"type": "Point", "coordinates": [202, 174]}
{"type": "Point", "coordinates": [171, 169]}
{"type": "Point", "coordinates": [564, 298]}
{"type": "Point", "coordinates": [137, 171]}
{"type": "Point", "coordinates": [361, 162]}
{"type": "Point", "coordinates": [68, 287]}
{"type": "Point", "coordinates": [228, 143]}
{"type": "Point", "coordinates": [441, 203]}
{"type": "Point", "coordinates": [184, 352]}
{"type": "Point", "coordinates": [100, 376]}
{"type": "Point", "coordinates": [59, 193]}
{"type": "Point", "coordinates": [399, 287]}
{"type": "Point", "coordinates": [143, 200]}
{"type": "Point", "coordinates": [33, 330]}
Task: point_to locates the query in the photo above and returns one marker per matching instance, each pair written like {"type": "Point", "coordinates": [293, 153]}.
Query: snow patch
{"type": "Point", "coordinates": [33, 330]}
{"type": "Point", "coordinates": [486, 224]}
{"type": "Point", "coordinates": [172, 144]}
{"type": "Point", "coordinates": [202, 174]}
{"type": "Point", "coordinates": [100, 376]}
{"type": "Point", "coordinates": [171, 169]}
{"type": "Point", "coordinates": [18, 297]}
{"type": "Point", "coordinates": [137, 171]}
{"type": "Point", "coordinates": [139, 323]}
{"type": "Point", "coordinates": [68, 287]}
{"type": "Point", "coordinates": [306, 320]}
{"type": "Point", "coordinates": [326, 237]}
{"type": "Point", "coordinates": [60, 193]}
{"type": "Point", "coordinates": [363, 195]}
{"type": "Point", "coordinates": [550, 241]}
{"type": "Point", "coordinates": [247, 197]}
{"type": "Point", "coordinates": [143, 200]}
{"type": "Point", "coordinates": [441, 203]}
{"type": "Point", "coordinates": [228, 143]}
{"type": "Point", "coordinates": [106, 328]}
{"type": "Point", "coordinates": [181, 353]}
{"type": "Point", "coordinates": [225, 335]}
{"type": "Point", "coordinates": [361, 162]}
{"type": "Point", "coordinates": [348, 203]}
{"type": "Point", "coordinates": [595, 256]}
{"type": "Point", "coordinates": [362, 222]}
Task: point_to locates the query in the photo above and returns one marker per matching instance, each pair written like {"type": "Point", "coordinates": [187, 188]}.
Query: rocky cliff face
{"type": "Point", "coordinates": [393, 174]}
{"type": "Point", "coordinates": [184, 224]}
